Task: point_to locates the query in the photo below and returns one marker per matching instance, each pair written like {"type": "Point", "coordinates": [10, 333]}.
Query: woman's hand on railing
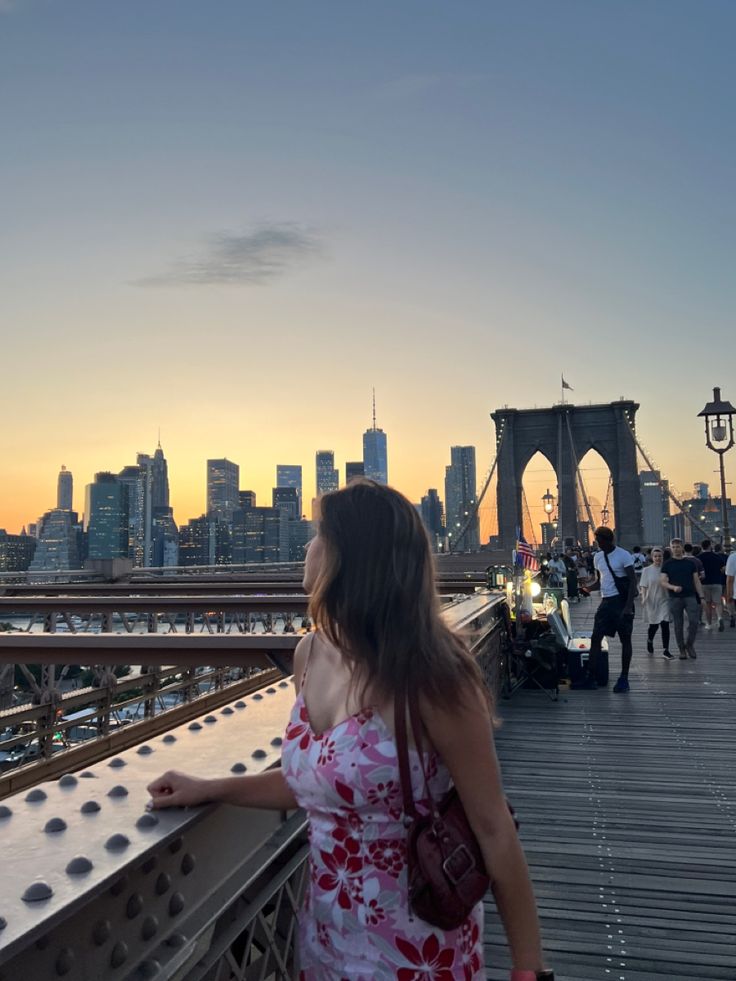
{"type": "Point", "coordinates": [174, 789]}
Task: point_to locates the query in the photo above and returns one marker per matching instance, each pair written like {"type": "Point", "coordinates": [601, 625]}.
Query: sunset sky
{"type": "Point", "coordinates": [230, 220]}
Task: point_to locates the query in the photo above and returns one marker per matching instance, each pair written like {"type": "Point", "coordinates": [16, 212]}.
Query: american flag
{"type": "Point", "coordinates": [525, 555]}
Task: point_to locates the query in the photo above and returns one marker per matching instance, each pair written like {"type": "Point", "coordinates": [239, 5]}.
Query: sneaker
{"type": "Point", "coordinates": [683, 655]}
{"type": "Point", "coordinates": [691, 652]}
{"type": "Point", "coordinates": [720, 626]}
{"type": "Point", "coordinates": [708, 626]}
{"type": "Point", "coordinates": [621, 685]}
{"type": "Point", "coordinates": [667, 656]}
{"type": "Point", "coordinates": [650, 647]}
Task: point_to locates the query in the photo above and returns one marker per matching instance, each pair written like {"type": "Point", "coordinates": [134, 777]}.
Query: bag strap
{"type": "Point", "coordinates": [402, 747]}
{"type": "Point", "coordinates": [402, 752]}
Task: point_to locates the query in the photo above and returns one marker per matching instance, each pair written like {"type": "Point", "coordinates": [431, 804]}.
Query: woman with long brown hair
{"type": "Point", "coordinates": [370, 575]}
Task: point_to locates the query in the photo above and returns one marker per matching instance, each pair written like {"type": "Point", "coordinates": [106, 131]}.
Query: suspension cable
{"type": "Point", "coordinates": [670, 493]}
{"type": "Point", "coordinates": [579, 477]}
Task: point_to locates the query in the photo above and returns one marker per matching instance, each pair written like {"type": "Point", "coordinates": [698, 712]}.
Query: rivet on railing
{"type": "Point", "coordinates": [134, 906]}
{"type": "Point", "coordinates": [68, 780]}
{"type": "Point", "coordinates": [119, 954]}
{"type": "Point", "coordinates": [270, 691]}
{"type": "Point", "coordinates": [144, 750]}
{"type": "Point", "coordinates": [149, 969]}
{"type": "Point", "coordinates": [209, 719]}
{"type": "Point", "coordinates": [276, 741]}
{"type": "Point", "coordinates": [238, 768]}
{"type": "Point", "coordinates": [169, 738]}
{"type": "Point", "coordinates": [117, 761]}
{"type": "Point", "coordinates": [146, 821]}
{"type": "Point", "coordinates": [54, 825]}
{"type": "Point", "coordinates": [116, 843]}
{"type": "Point", "coordinates": [240, 705]}
{"type": "Point", "coordinates": [175, 845]}
{"type": "Point", "coordinates": [3, 922]}
{"type": "Point", "coordinates": [117, 887]}
{"type": "Point", "coordinates": [176, 904]}
{"type": "Point", "coordinates": [79, 866]}
{"type": "Point", "coordinates": [65, 961]}
{"type": "Point", "coordinates": [118, 791]}
{"type": "Point", "coordinates": [194, 726]}
{"type": "Point", "coordinates": [257, 697]}
{"type": "Point", "coordinates": [163, 884]}
{"type": "Point", "coordinates": [36, 795]}
{"type": "Point", "coordinates": [259, 754]}
{"type": "Point", "coordinates": [88, 774]}
{"type": "Point", "coordinates": [37, 892]}
{"type": "Point", "coordinates": [176, 940]}
{"type": "Point", "coordinates": [227, 711]}
{"type": "Point", "coordinates": [5, 812]}
{"type": "Point", "coordinates": [187, 864]}
{"type": "Point", "coordinates": [101, 932]}
{"type": "Point", "coordinates": [90, 807]}
{"type": "Point", "coordinates": [149, 928]}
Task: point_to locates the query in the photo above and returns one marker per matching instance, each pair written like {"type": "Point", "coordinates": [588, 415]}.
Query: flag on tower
{"type": "Point", "coordinates": [565, 385]}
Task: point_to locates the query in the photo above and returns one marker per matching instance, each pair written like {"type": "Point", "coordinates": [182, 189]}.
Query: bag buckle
{"type": "Point", "coordinates": [458, 864]}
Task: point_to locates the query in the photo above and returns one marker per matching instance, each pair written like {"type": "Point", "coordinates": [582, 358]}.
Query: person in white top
{"type": "Point", "coordinates": [730, 577]}
{"type": "Point", "coordinates": [655, 604]}
{"type": "Point", "coordinates": [615, 614]}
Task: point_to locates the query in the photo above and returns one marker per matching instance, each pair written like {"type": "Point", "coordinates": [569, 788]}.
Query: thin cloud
{"type": "Point", "coordinates": [251, 258]}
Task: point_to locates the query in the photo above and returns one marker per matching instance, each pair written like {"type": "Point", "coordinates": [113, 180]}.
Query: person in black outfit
{"type": "Point", "coordinates": [680, 578]}
{"type": "Point", "coordinates": [714, 566]}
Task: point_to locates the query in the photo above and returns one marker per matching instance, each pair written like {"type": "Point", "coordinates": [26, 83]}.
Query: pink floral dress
{"type": "Point", "coordinates": [356, 924]}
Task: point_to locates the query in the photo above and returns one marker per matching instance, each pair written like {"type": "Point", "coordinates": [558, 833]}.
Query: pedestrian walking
{"type": "Point", "coordinates": [655, 604]}
{"type": "Point", "coordinates": [730, 577]}
{"type": "Point", "coordinates": [614, 567]}
{"type": "Point", "coordinates": [713, 566]}
{"type": "Point", "coordinates": [680, 578]}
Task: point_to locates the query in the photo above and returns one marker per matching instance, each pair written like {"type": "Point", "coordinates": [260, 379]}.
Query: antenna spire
{"type": "Point", "coordinates": [374, 408]}
{"type": "Point", "coordinates": [159, 437]}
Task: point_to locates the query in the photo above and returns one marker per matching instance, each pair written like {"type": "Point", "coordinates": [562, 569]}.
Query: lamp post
{"type": "Point", "coordinates": [718, 417]}
{"type": "Point", "coordinates": [548, 502]}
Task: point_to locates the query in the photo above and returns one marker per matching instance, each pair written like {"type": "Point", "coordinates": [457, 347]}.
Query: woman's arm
{"type": "Point", "coordinates": [266, 790]}
{"type": "Point", "coordinates": [464, 740]}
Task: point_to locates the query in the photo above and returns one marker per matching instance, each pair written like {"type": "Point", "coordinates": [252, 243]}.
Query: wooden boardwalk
{"type": "Point", "coordinates": [628, 812]}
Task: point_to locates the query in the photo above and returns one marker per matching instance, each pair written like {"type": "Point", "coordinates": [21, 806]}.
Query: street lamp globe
{"type": "Point", "coordinates": [548, 500]}
{"type": "Point", "coordinates": [718, 417]}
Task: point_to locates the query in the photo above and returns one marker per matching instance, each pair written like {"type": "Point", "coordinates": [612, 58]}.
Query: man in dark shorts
{"type": "Point", "coordinates": [615, 613]}
{"type": "Point", "coordinates": [714, 565]}
{"type": "Point", "coordinates": [680, 578]}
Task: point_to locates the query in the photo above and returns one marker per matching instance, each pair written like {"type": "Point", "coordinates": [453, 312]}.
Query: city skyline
{"type": "Point", "coordinates": [493, 195]}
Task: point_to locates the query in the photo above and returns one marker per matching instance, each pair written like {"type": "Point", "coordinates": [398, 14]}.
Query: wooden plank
{"type": "Point", "coordinates": [628, 812]}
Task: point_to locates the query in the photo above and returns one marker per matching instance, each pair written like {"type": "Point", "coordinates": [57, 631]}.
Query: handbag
{"type": "Point", "coordinates": [446, 871]}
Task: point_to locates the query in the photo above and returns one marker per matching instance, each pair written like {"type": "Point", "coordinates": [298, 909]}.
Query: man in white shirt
{"type": "Point", "coordinates": [614, 567]}
{"type": "Point", "coordinates": [730, 577]}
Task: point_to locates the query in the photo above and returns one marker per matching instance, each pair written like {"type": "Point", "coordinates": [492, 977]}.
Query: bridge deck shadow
{"type": "Point", "coordinates": [628, 817]}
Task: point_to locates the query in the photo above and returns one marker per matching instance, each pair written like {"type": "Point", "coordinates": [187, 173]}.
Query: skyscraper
{"type": "Point", "coordinates": [328, 479]}
{"type": "Point", "coordinates": [654, 507]}
{"type": "Point", "coordinates": [65, 490]}
{"type": "Point", "coordinates": [433, 516]}
{"type": "Point", "coordinates": [354, 470]}
{"type": "Point", "coordinates": [290, 475]}
{"type": "Point", "coordinates": [160, 475]}
{"type": "Point", "coordinates": [287, 499]}
{"type": "Point", "coordinates": [375, 451]}
{"type": "Point", "coordinates": [58, 543]}
{"type": "Point", "coordinates": [106, 518]}
{"type": "Point", "coordinates": [460, 498]}
{"type": "Point", "coordinates": [138, 480]}
{"type": "Point", "coordinates": [223, 480]}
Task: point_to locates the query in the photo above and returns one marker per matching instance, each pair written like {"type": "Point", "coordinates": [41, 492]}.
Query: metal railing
{"type": "Point", "coordinates": [104, 890]}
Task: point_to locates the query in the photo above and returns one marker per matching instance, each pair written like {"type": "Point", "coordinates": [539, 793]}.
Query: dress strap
{"type": "Point", "coordinates": [310, 645]}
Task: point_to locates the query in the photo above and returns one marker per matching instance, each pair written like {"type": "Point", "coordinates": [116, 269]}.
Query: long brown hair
{"type": "Point", "coordinates": [375, 597]}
